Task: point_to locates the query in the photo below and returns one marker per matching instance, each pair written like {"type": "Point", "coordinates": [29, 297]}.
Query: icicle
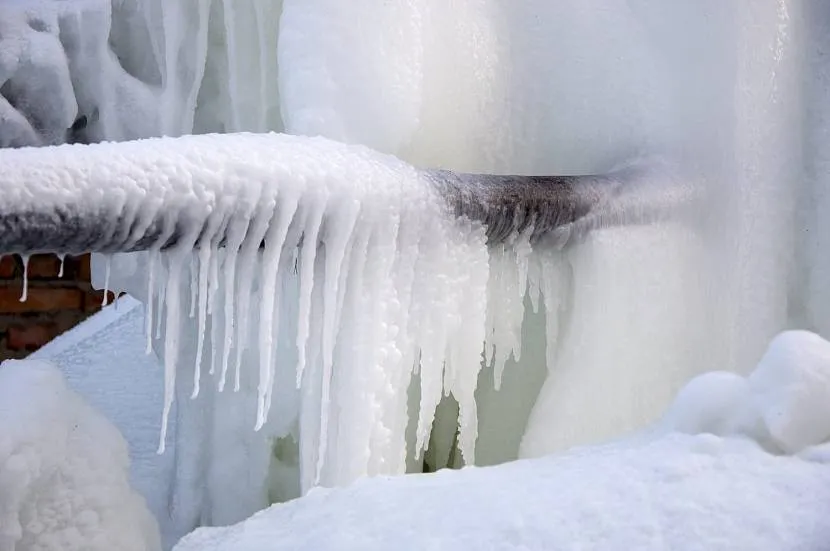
{"type": "Point", "coordinates": [161, 299]}
{"type": "Point", "coordinates": [552, 268]}
{"type": "Point", "coordinates": [236, 235]}
{"type": "Point", "coordinates": [104, 300]}
{"type": "Point", "coordinates": [269, 298]}
{"type": "Point", "coordinates": [200, 54]}
{"type": "Point", "coordinates": [339, 233]}
{"type": "Point", "coordinates": [171, 341]}
{"type": "Point", "coordinates": [204, 267]}
{"type": "Point", "coordinates": [247, 261]}
{"type": "Point", "coordinates": [62, 258]}
{"type": "Point", "coordinates": [194, 276]}
{"type": "Point", "coordinates": [214, 321]}
{"type": "Point", "coordinates": [307, 257]}
{"type": "Point", "coordinates": [151, 287]}
{"type": "Point", "coordinates": [214, 279]}
{"type": "Point", "coordinates": [25, 293]}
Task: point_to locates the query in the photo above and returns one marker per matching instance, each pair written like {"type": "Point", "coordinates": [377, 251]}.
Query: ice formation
{"type": "Point", "coordinates": [592, 341]}
{"type": "Point", "coordinates": [64, 470]}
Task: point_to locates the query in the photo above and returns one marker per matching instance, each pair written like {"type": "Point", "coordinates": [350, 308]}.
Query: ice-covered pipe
{"type": "Point", "coordinates": [156, 193]}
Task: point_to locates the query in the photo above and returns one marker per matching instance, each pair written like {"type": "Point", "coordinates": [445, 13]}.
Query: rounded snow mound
{"type": "Point", "coordinates": [63, 470]}
{"type": "Point", "coordinates": [784, 404]}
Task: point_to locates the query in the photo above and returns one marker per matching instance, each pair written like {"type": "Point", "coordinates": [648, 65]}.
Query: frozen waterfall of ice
{"type": "Point", "coordinates": [591, 342]}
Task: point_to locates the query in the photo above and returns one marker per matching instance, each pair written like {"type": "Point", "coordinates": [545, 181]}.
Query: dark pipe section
{"type": "Point", "coordinates": [505, 205]}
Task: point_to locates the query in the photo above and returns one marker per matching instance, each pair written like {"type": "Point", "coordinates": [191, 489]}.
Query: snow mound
{"type": "Point", "coordinates": [792, 385]}
{"type": "Point", "coordinates": [679, 492]}
{"type": "Point", "coordinates": [63, 470]}
{"type": "Point", "coordinates": [784, 404]}
{"type": "Point", "coordinates": [104, 360]}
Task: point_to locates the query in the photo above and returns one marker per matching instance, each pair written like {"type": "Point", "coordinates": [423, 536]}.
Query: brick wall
{"type": "Point", "coordinates": [54, 304]}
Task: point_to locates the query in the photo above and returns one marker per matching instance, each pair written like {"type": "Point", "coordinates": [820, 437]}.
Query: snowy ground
{"type": "Point", "coordinates": [104, 360]}
{"type": "Point", "coordinates": [735, 463]}
{"type": "Point", "coordinates": [678, 492]}
{"type": "Point", "coordinates": [64, 481]}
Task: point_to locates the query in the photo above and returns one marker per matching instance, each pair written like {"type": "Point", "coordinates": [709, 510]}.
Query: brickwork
{"type": "Point", "coordinates": [53, 305]}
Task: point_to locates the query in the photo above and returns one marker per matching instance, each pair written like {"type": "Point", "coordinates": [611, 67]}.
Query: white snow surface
{"type": "Point", "coordinates": [706, 477]}
{"type": "Point", "coordinates": [104, 360]}
{"type": "Point", "coordinates": [679, 492]}
{"type": "Point", "coordinates": [64, 470]}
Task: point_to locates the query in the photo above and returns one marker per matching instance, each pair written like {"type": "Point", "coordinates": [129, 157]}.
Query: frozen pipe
{"type": "Point", "coordinates": [131, 196]}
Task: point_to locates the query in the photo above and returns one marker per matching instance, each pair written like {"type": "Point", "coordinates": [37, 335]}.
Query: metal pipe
{"type": "Point", "coordinates": [82, 198]}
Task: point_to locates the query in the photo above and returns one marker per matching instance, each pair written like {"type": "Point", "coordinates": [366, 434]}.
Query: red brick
{"type": "Point", "coordinates": [44, 266]}
{"type": "Point", "coordinates": [30, 337]}
{"type": "Point", "coordinates": [93, 301]}
{"type": "Point", "coordinates": [72, 267]}
{"type": "Point", "coordinates": [84, 269]}
{"type": "Point", "coordinates": [40, 299]}
{"type": "Point", "coordinates": [8, 265]}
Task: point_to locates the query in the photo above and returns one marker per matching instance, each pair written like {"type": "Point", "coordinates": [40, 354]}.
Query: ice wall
{"type": "Point", "coordinates": [98, 70]}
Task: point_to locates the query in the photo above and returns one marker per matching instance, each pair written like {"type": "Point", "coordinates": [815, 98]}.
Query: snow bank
{"type": "Point", "coordinates": [63, 470]}
{"type": "Point", "coordinates": [103, 359]}
{"type": "Point", "coordinates": [784, 404]}
{"type": "Point", "coordinates": [715, 487]}
{"type": "Point", "coordinates": [685, 493]}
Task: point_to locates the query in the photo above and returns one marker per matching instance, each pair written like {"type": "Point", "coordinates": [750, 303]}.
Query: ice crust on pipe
{"type": "Point", "coordinates": [63, 470]}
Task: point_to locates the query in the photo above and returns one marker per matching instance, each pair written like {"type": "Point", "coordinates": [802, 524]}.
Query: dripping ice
{"type": "Point", "coordinates": [334, 286]}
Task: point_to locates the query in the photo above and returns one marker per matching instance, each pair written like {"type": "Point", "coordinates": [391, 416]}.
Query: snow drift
{"type": "Point", "coordinates": [64, 470]}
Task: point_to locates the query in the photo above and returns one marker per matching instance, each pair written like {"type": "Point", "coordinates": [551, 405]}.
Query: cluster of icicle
{"type": "Point", "coordinates": [337, 275]}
